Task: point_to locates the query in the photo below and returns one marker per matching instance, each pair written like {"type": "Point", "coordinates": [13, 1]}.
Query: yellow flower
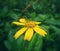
{"type": "Point", "coordinates": [29, 27]}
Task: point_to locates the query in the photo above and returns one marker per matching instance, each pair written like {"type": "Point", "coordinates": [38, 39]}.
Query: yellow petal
{"type": "Point", "coordinates": [39, 30]}
{"type": "Point", "coordinates": [29, 34]}
{"type": "Point", "coordinates": [22, 20]}
{"type": "Point", "coordinates": [20, 32]}
{"type": "Point", "coordinates": [18, 23]}
{"type": "Point", "coordinates": [37, 22]}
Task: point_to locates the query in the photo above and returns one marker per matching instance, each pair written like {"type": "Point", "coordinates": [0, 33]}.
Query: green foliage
{"type": "Point", "coordinates": [46, 11]}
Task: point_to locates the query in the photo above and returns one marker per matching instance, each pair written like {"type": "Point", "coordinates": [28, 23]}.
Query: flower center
{"type": "Point", "coordinates": [30, 24]}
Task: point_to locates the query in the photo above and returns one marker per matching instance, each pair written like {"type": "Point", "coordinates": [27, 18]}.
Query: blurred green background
{"type": "Point", "coordinates": [46, 11]}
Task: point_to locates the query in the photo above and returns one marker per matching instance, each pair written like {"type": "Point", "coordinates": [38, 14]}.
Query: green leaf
{"type": "Point", "coordinates": [8, 45]}
{"type": "Point", "coordinates": [39, 44]}
{"type": "Point", "coordinates": [14, 15]}
{"type": "Point", "coordinates": [33, 15]}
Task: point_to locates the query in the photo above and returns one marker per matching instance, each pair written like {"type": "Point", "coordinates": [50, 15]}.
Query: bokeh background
{"type": "Point", "coordinates": [46, 11]}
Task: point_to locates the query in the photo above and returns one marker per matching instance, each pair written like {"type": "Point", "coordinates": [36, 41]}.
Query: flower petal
{"type": "Point", "coordinates": [37, 22]}
{"type": "Point", "coordinates": [18, 23]}
{"type": "Point", "coordinates": [29, 34]}
{"type": "Point", "coordinates": [20, 32]}
{"type": "Point", "coordinates": [22, 20]}
{"type": "Point", "coordinates": [39, 30]}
